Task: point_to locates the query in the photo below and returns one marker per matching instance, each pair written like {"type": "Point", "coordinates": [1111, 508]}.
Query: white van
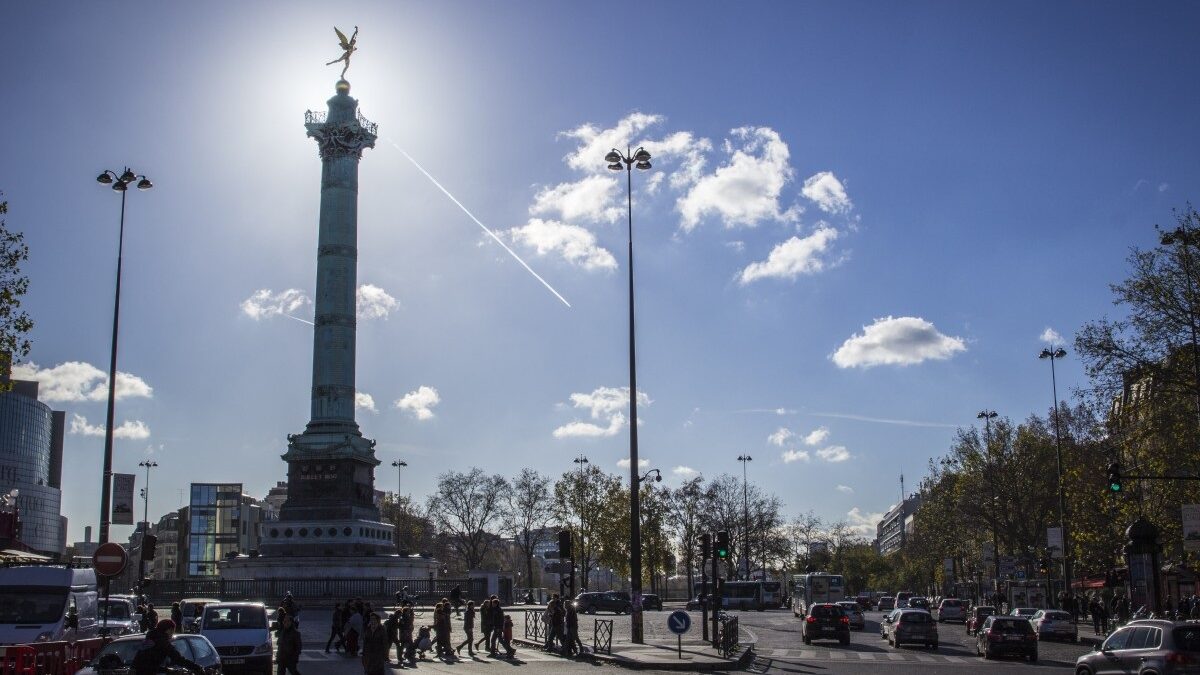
{"type": "Point", "coordinates": [241, 633]}
{"type": "Point", "coordinates": [36, 601]}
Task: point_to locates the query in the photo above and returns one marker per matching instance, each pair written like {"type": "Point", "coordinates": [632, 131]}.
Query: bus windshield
{"type": "Point", "coordinates": [32, 604]}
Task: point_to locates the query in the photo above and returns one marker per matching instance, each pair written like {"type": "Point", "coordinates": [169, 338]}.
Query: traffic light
{"type": "Point", "coordinates": [705, 545]}
{"type": "Point", "coordinates": [1114, 477]}
{"type": "Point", "coordinates": [149, 542]}
{"type": "Point", "coordinates": [1044, 565]}
{"type": "Point", "coordinates": [721, 550]}
{"type": "Point", "coordinates": [564, 544]}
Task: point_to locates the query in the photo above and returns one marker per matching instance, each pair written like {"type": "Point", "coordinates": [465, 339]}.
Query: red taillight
{"type": "Point", "coordinates": [993, 635]}
{"type": "Point", "coordinates": [1179, 658]}
{"type": "Point", "coordinates": [846, 620]}
{"type": "Point", "coordinates": [811, 619]}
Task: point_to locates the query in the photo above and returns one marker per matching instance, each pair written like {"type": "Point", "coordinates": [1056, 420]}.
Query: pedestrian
{"type": "Point", "coordinates": [289, 645]}
{"type": "Point", "coordinates": [1195, 611]}
{"type": "Point", "coordinates": [424, 643]}
{"type": "Point", "coordinates": [456, 599]}
{"type": "Point", "coordinates": [497, 624]}
{"type": "Point", "coordinates": [353, 631]}
{"type": "Point", "coordinates": [374, 647]}
{"type": "Point", "coordinates": [469, 629]}
{"type": "Point", "coordinates": [337, 620]}
{"type": "Point", "coordinates": [157, 647]}
{"type": "Point", "coordinates": [177, 615]}
{"type": "Point", "coordinates": [554, 612]}
{"type": "Point", "coordinates": [506, 635]}
{"type": "Point", "coordinates": [290, 607]}
{"type": "Point", "coordinates": [574, 644]}
{"type": "Point", "coordinates": [392, 626]}
{"type": "Point", "coordinates": [150, 618]}
{"type": "Point", "coordinates": [485, 623]}
{"type": "Point", "coordinates": [445, 648]}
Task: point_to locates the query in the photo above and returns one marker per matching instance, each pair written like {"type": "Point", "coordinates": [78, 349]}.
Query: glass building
{"type": "Point", "coordinates": [31, 441]}
{"type": "Point", "coordinates": [214, 526]}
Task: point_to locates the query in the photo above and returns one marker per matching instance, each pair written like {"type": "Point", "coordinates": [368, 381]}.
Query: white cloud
{"type": "Point", "coordinates": [607, 404]}
{"type": "Point", "coordinates": [901, 341]}
{"type": "Point", "coordinates": [575, 244]}
{"type": "Point", "coordinates": [863, 524]}
{"type": "Point", "coordinates": [374, 302]}
{"type": "Point", "coordinates": [794, 455]}
{"type": "Point", "coordinates": [816, 436]}
{"type": "Point", "coordinates": [594, 142]}
{"type": "Point", "coordinates": [780, 436]}
{"type": "Point", "coordinates": [364, 401]}
{"type": "Point", "coordinates": [420, 403]}
{"type": "Point", "coordinates": [76, 381]}
{"type": "Point", "coordinates": [792, 258]}
{"type": "Point", "coordinates": [834, 453]}
{"type": "Point", "coordinates": [1051, 336]}
{"type": "Point", "coordinates": [846, 489]}
{"type": "Point", "coordinates": [264, 303]}
{"type": "Point", "coordinates": [828, 192]}
{"type": "Point", "coordinates": [746, 189]}
{"type": "Point", "coordinates": [784, 411]}
{"type": "Point", "coordinates": [131, 429]}
{"type": "Point", "coordinates": [592, 198]}
{"type": "Point", "coordinates": [685, 472]}
{"type": "Point", "coordinates": [1163, 187]}
{"type": "Point", "coordinates": [624, 463]}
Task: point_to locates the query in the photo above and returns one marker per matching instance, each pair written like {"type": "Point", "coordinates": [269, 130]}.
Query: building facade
{"type": "Point", "coordinates": [214, 527]}
{"type": "Point", "coordinates": [31, 444]}
{"type": "Point", "coordinates": [893, 531]}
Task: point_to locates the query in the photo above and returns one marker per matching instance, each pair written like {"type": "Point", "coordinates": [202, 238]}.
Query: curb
{"type": "Point", "coordinates": [743, 659]}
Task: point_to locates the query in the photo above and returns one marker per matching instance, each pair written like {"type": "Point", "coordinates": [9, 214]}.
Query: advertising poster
{"type": "Point", "coordinates": [1191, 527]}
{"type": "Point", "coordinates": [1054, 542]}
{"type": "Point", "coordinates": [122, 499]}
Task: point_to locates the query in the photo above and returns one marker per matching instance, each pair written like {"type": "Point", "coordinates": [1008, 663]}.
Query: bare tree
{"type": "Point", "coordinates": [529, 512]}
{"type": "Point", "coordinates": [685, 507]}
{"type": "Point", "coordinates": [462, 508]}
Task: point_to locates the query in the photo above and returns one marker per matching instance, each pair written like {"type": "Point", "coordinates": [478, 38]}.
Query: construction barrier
{"type": "Point", "coordinates": [17, 660]}
{"type": "Point", "coordinates": [49, 658]}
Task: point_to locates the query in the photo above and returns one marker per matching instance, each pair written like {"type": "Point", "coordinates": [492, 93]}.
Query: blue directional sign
{"type": "Point", "coordinates": [679, 622]}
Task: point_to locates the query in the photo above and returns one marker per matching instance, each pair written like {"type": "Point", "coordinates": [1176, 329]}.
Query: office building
{"type": "Point", "coordinates": [31, 446]}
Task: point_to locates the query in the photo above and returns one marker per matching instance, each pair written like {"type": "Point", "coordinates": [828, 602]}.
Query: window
{"type": "Point", "coordinates": [1144, 637]}
{"type": "Point", "coordinates": [200, 648]}
{"type": "Point", "coordinates": [1117, 640]}
{"type": "Point", "coordinates": [1187, 639]}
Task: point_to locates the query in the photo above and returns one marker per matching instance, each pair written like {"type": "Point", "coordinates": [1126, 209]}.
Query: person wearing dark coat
{"type": "Point", "coordinates": [177, 615]}
{"type": "Point", "coordinates": [392, 626]}
{"type": "Point", "coordinates": [469, 629]}
{"type": "Point", "coordinates": [574, 644]}
{"type": "Point", "coordinates": [288, 645]}
{"type": "Point", "coordinates": [156, 647]}
{"type": "Point", "coordinates": [407, 626]}
{"type": "Point", "coordinates": [456, 599]}
{"type": "Point", "coordinates": [497, 624]}
{"type": "Point", "coordinates": [485, 624]}
{"type": "Point", "coordinates": [374, 647]}
{"type": "Point", "coordinates": [337, 620]}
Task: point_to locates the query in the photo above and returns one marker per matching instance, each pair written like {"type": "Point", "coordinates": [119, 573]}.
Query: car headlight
{"type": "Point", "coordinates": [44, 636]}
{"type": "Point", "coordinates": [264, 648]}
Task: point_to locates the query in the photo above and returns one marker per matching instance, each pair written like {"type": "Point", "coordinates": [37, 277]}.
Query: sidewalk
{"type": "Point", "coordinates": [656, 655]}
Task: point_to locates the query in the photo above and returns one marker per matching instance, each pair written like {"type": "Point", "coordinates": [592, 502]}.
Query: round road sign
{"type": "Point", "coordinates": [110, 559]}
{"type": "Point", "coordinates": [679, 622]}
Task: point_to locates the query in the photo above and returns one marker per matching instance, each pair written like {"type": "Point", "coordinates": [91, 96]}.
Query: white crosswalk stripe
{"type": "Point", "coordinates": [882, 657]}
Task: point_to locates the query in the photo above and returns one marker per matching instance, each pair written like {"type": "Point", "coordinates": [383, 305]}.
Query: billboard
{"type": "Point", "coordinates": [1191, 527]}
{"type": "Point", "coordinates": [122, 502]}
{"type": "Point", "coordinates": [1054, 542]}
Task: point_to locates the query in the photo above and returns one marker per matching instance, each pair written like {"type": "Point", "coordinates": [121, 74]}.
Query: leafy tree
{"type": "Point", "coordinates": [579, 498]}
{"type": "Point", "coordinates": [414, 530]}
{"type": "Point", "coordinates": [528, 513]}
{"type": "Point", "coordinates": [462, 508]}
{"type": "Point", "coordinates": [684, 510]}
{"type": "Point", "coordinates": [15, 324]}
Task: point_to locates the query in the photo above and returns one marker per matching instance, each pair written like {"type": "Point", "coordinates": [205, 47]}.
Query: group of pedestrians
{"type": "Point", "coordinates": [149, 617]}
{"type": "Point", "coordinates": [348, 623]}
{"type": "Point", "coordinates": [562, 627]}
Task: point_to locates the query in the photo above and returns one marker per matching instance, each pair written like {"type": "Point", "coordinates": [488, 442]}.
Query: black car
{"type": "Point", "coordinates": [1002, 634]}
{"type": "Point", "coordinates": [826, 621]}
{"type": "Point", "coordinates": [122, 650]}
{"type": "Point", "coordinates": [590, 603]}
{"type": "Point", "coordinates": [651, 601]}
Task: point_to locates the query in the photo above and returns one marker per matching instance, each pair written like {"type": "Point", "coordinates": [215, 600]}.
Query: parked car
{"type": "Point", "coordinates": [611, 601]}
{"type": "Point", "coordinates": [886, 604]}
{"type": "Point", "coordinates": [977, 616]}
{"type": "Point", "coordinates": [651, 601]}
{"type": "Point", "coordinates": [1006, 634]}
{"type": "Point", "coordinates": [825, 621]}
{"type": "Point", "coordinates": [854, 612]}
{"type": "Point", "coordinates": [192, 609]}
{"type": "Point", "coordinates": [952, 609]}
{"type": "Point", "coordinates": [1054, 623]}
{"type": "Point", "coordinates": [241, 634]}
{"type": "Point", "coordinates": [918, 602]}
{"type": "Point", "coordinates": [1023, 612]}
{"type": "Point", "coordinates": [697, 602]}
{"type": "Point", "coordinates": [1164, 647]}
{"type": "Point", "coordinates": [192, 647]}
{"type": "Point", "coordinates": [910, 626]}
{"type": "Point", "coordinates": [117, 616]}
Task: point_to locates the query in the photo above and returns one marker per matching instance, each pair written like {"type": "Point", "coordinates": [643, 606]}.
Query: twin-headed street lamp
{"type": "Point", "coordinates": [627, 161]}
{"type": "Point", "coordinates": [399, 464]}
{"type": "Point", "coordinates": [987, 416]}
{"type": "Point", "coordinates": [120, 183]}
{"type": "Point", "coordinates": [1055, 353]}
{"type": "Point", "coordinates": [744, 459]}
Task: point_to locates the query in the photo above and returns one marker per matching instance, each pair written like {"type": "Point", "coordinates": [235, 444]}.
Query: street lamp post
{"type": "Point", "coordinates": [1054, 354]}
{"type": "Point", "coordinates": [987, 416]}
{"type": "Point", "coordinates": [617, 161]}
{"type": "Point", "coordinates": [149, 464]}
{"type": "Point", "coordinates": [746, 509]}
{"type": "Point", "coordinates": [120, 183]}
{"type": "Point", "coordinates": [399, 464]}
{"type": "Point", "coordinates": [578, 541]}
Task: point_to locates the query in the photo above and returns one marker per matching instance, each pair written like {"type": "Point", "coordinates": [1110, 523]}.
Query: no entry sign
{"type": "Point", "coordinates": [110, 559]}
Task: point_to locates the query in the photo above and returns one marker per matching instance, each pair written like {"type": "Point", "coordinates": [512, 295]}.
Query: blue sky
{"type": "Point", "coordinates": [861, 220]}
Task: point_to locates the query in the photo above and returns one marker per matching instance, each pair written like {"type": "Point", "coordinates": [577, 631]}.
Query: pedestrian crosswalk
{"type": "Point", "coordinates": [849, 654]}
{"type": "Point", "coordinates": [526, 655]}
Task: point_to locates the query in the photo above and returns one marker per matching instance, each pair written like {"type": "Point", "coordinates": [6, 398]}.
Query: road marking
{"type": "Point", "coordinates": [867, 656]}
{"type": "Point", "coordinates": [925, 657]}
{"type": "Point", "coordinates": [895, 657]}
{"type": "Point", "coordinates": [779, 652]}
{"type": "Point", "coordinates": [837, 656]}
{"type": "Point", "coordinates": [955, 659]}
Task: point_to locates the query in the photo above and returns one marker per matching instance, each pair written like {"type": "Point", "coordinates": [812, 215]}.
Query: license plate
{"type": "Point", "coordinates": [1013, 638]}
{"type": "Point", "coordinates": [828, 629]}
{"type": "Point", "coordinates": [234, 661]}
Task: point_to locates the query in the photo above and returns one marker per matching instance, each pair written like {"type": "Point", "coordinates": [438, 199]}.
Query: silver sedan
{"type": "Point", "coordinates": [854, 612]}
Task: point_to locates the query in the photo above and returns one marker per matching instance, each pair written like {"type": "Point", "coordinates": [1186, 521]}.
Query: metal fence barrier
{"type": "Point", "coordinates": [602, 636]}
{"type": "Point", "coordinates": [729, 634]}
{"type": "Point", "coordinates": [326, 591]}
{"type": "Point", "coordinates": [534, 628]}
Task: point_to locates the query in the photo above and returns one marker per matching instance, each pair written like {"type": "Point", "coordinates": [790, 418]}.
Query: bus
{"type": "Point", "coordinates": [772, 594]}
{"type": "Point", "coordinates": [818, 587]}
{"type": "Point", "coordinates": [742, 595]}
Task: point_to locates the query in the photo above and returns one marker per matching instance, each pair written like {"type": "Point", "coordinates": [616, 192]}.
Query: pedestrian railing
{"type": "Point", "coordinates": [535, 629]}
{"type": "Point", "coordinates": [729, 634]}
{"type": "Point", "coordinates": [323, 591]}
{"type": "Point", "coordinates": [602, 636]}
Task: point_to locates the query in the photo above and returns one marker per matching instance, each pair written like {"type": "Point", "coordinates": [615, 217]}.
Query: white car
{"type": "Point", "coordinates": [1053, 623]}
{"type": "Point", "coordinates": [241, 633]}
{"type": "Point", "coordinates": [952, 609]}
{"type": "Point", "coordinates": [117, 616]}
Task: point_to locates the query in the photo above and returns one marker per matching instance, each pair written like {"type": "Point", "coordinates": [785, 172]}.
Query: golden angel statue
{"type": "Point", "coordinates": [347, 47]}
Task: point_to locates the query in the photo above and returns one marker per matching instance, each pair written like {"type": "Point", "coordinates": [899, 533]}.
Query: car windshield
{"type": "Point", "coordinates": [221, 618]}
{"type": "Point", "coordinates": [1011, 626]}
{"type": "Point", "coordinates": [118, 611]}
{"type": "Point", "coordinates": [124, 649]}
{"type": "Point", "coordinates": [1056, 616]}
{"type": "Point", "coordinates": [853, 607]}
{"type": "Point", "coordinates": [1187, 638]}
{"type": "Point", "coordinates": [32, 604]}
{"type": "Point", "coordinates": [952, 603]}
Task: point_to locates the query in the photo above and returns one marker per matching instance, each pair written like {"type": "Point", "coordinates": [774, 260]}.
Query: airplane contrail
{"type": "Point", "coordinates": [300, 320]}
{"type": "Point", "coordinates": [481, 225]}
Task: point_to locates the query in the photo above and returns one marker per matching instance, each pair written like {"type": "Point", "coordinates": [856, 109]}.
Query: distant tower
{"type": "Point", "coordinates": [330, 508]}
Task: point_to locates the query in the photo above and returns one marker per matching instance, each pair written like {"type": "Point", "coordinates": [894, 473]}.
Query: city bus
{"type": "Point", "coordinates": [818, 587]}
{"type": "Point", "coordinates": [772, 594]}
{"type": "Point", "coordinates": [742, 595]}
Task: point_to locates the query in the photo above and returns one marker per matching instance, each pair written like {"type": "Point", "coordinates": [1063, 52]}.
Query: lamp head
{"type": "Point", "coordinates": [128, 176]}
{"type": "Point", "coordinates": [144, 184]}
{"type": "Point", "coordinates": [641, 155]}
{"type": "Point", "coordinates": [1059, 353]}
{"type": "Point", "coordinates": [615, 166]}
{"type": "Point", "coordinates": [104, 178]}
{"type": "Point", "coordinates": [643, 165]}
{"type": "Point", "coordinates": [612, 157]}
{"type": "Point", "coordinates": [120, 186]}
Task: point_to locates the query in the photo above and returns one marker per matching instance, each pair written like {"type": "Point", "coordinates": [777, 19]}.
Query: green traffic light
{"type": "Point", "coordinates": [1115, 487]}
